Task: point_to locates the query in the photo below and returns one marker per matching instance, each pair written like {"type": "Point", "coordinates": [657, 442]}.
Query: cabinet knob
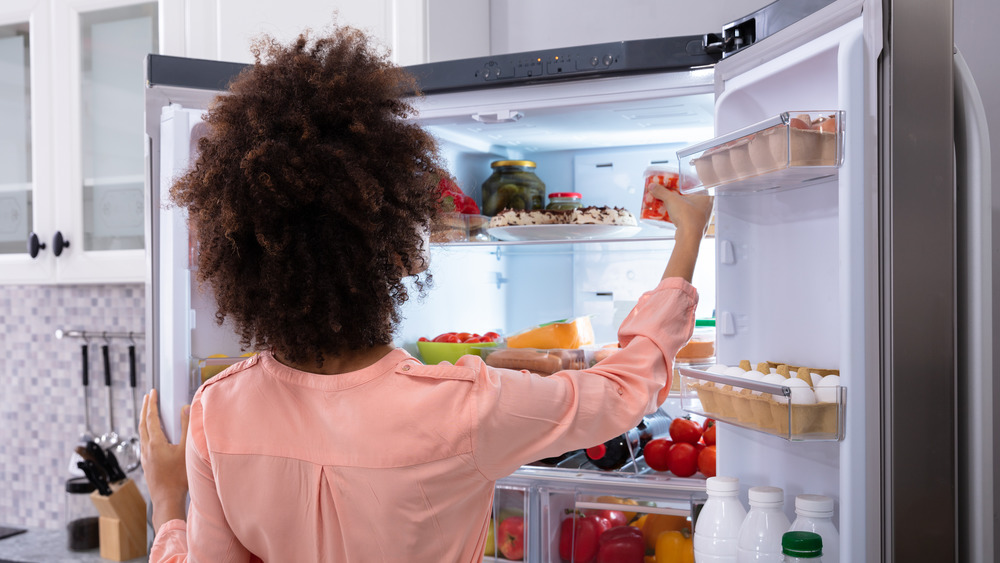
{"type": "Point", "coordinates": [34, 245]}
{"type": "Point", "coordinates": [58, 243]}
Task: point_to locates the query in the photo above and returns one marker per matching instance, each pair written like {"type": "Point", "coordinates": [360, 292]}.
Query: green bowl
{"type": "Point", "coordinates": [437, 352]}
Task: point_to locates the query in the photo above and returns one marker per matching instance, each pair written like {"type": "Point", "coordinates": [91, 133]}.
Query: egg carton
{"type": "Point", "coordinates": [793, 406]}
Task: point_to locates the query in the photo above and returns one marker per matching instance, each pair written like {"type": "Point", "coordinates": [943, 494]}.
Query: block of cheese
{"type": "Point", "coordinates": [573, 333]}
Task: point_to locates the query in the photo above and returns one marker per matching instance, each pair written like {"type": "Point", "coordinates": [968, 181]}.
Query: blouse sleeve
{"type": "Point", "coordinates": [522, 417]}
{"type": "Point", "coordinates": [208, 536]}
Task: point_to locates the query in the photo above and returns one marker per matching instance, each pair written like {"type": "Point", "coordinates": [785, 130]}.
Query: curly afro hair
{"type": "Point", "coordinates": [310, 196]}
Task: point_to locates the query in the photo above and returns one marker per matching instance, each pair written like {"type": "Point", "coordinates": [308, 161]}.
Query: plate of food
{"type": "Point", "coordinates": [583, 223]}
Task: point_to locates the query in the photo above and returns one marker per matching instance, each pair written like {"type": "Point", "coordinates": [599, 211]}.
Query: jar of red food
{"type": "Point", "coordinates": [657, 180]}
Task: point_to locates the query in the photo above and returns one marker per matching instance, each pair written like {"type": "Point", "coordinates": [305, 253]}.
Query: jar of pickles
{"type": "Point", "coordinates": [513, 185]}
{"type": "Point", "coordinates": [564, 201]}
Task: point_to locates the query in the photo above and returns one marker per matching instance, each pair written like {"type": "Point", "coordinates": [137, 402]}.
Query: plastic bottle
{"type": "Point", "coordinates": [760, 534]}
{"type": "Point", "coordinates": [716, 534]}
{"type": "Point", "coordinates": [615, 453]}
{"type": "Point", "coordinates": [814, 513]}
{"type": "Point", "coordinates": [801, 547]}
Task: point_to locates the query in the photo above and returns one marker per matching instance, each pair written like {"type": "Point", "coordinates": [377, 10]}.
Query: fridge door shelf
{"type": "Point", "coordinates": [782, 152]}
{"type": "Point", "coordinates": [765, 407]}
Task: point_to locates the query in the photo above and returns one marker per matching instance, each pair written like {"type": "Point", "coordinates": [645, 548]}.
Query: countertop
{"type": "Point", "coordinates": [48, 546]}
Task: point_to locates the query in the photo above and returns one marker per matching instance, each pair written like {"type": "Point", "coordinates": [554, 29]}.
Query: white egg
{"type": "Point", "coordinates": [826, 389]}
{"type": "Point", "coordinates": [802, 394]}
{"type": "Point", "coordinates": [775, 378]}
{"type": "Point", "coordinates": [735, 371]}
{"type": "Point", "coordinates": [718, 368]}
{"type": "Point", "coordinates": [815, 378]}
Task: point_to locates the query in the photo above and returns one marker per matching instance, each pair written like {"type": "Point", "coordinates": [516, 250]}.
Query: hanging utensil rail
{"type": "Point", "coordinates": [86, 334]}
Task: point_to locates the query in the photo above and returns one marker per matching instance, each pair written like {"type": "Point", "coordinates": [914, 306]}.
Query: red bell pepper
{"type": "Point", "coordinates": [623, 544]}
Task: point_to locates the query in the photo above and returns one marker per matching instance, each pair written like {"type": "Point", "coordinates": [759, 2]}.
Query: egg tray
{"type": "Point", "coordinates": [767, 155]}
{"type": "Point", "coordinates": [732, 400]}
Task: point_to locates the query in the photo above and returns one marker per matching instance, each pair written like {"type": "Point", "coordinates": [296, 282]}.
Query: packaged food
{"type": "Point", "coordinates": [701, 348]}
{"type": "Point", "coordinates": [573, 333]}
{"type": "Point", "coordinates": [513, 185]}
{"type": "Point", "coordinates": [658, 179]}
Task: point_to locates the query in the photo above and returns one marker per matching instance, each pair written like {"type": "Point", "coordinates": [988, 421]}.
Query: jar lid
{"type": "Point", "coordinates": [802, 544]}
{"type": "Point", "coordinates": [566, 194]}
{"type": "Point", "coordinates": [814, 505]}
{"type": "Point", "coordinates": [723, 485]}
{"type": "Point", "coordinates": [704, 322]}
{"type": "Point", "coordinates": [80, 485]}
{"type": "Point", "coordinates": [767, 496]}
{"type": "Point", "coordinates": [659, 169]}
{"type": "Point", "coordinates": [498, 163]}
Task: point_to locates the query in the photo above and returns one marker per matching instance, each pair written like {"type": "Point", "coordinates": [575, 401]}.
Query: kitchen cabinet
{"type": "Point", "coordinates": [73, 175]}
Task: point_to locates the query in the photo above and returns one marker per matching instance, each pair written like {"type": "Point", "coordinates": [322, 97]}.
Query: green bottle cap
{"type": "Point", "coordinates": [704, 322]}
{"type": "Point", "coordinates": [802, 544]}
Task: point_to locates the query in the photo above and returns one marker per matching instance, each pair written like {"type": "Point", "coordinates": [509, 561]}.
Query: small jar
{"type": "Point", "coordinates": [513, 185]}
{"type": "Point", "coordinates": [700, 350]}
{"type": "Point", "coordinates": [82, 533]}
{"type": "Point", "coordinates": [564, 201]}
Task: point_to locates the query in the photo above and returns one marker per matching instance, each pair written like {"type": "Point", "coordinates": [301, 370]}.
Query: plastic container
{"type": "Point", "coordinates": [513, 185]}
{"type": "Point", "coordinates": [564, 201]}
{"type": "Point", "coordinates": [82, 532]}
{"type": "Point", "coordinates": [762, 529]}
{"type": "Point", "coordinates": [814, 513]}
{"type": "Point", "coordinates": [700, 350]}
{"type": "Point", "coordinates": [716, 534]}
{"type": "Point", "coordinates": [655, 180]}
{"type": "Point", "coordinates": [802, 547]}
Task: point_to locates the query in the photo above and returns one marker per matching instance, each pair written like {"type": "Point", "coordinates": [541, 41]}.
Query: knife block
{"type": "Point", "coordinates": [122, 522]}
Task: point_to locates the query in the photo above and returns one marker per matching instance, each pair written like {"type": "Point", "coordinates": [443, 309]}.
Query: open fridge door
{"type": "Point", "coordinates": [796, 281]}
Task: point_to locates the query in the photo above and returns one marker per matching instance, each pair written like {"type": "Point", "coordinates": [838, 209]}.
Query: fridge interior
{"type": "Point", "coordinates": [779, 275]}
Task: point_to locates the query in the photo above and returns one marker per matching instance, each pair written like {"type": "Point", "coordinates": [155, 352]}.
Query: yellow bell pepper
{"type": "Point", "coordinates": [617, 500]}
{"type": "Point", "coordinates": [674, 547]}
{"type": "Point", "coordinates": [656, 524]}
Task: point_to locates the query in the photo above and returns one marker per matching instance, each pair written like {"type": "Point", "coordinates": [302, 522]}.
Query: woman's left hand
{"type": "Point", "coordinates": [163, 462]}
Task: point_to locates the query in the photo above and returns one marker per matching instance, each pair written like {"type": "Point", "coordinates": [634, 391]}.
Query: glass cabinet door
{"type": "Point", "coordinates": [16, 213]}
{"type": "Point", "coordinates": [113, 45]}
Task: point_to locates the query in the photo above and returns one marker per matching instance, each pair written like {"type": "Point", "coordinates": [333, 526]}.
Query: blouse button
{"type": "Point", "coordinates": [406, 367]}
{"type": "Point", "coordinates": [621, 391]}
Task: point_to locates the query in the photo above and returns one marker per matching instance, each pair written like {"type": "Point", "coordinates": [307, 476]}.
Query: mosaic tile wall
{"type": "Point", "coordinates": [41, 389]}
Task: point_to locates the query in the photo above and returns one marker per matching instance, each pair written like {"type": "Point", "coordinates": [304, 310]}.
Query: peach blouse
{"type": "Point", "coordinates": [397, 462]}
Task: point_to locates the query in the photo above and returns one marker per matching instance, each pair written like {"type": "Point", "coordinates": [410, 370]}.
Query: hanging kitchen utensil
{"type": "Point", "coordinates": [88, 432]}
{"type": "Point", "coordinates": [109, 438]}
{"type": "Point", "coordinates": [127, 451]}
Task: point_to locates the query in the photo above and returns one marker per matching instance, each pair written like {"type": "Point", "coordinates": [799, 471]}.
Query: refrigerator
{"type": "Point", "coordinates": [876, 262]}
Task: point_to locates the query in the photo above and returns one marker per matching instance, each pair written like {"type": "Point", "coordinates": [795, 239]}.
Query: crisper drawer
{"type": "Point", "coordinates": [509, 538]}
{"type": "Point", "coordinates": [552, 498]}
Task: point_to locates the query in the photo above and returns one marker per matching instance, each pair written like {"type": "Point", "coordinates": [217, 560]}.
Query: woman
{"type": "Point", "coordinates": [308, 200]}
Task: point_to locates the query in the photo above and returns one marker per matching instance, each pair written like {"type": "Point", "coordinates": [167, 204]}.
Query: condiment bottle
{"type": "Point", "coordinates": [616, 452]}
{"type": "Point", "coordinates": [801, 547]}
{"type": "Point", "coordinates": [814, 513]}
{"type": "Point", "coordinates": [82, 533]}
{"type": "Point", "coordinates": [513, 185]}
{"type": "Point", "coordinates": [564, 201]}
{"type": "Point", "coordinates": [716, 534]}
{"type": "Point", "coordinates": [760, 534]}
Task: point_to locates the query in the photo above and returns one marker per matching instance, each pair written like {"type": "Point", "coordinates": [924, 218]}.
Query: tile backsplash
{"type": "Point", "coordinates": [41, 388]}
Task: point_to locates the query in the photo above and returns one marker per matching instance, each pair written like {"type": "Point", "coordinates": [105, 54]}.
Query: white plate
{"type": "Point", "coordinates": [562, 232]}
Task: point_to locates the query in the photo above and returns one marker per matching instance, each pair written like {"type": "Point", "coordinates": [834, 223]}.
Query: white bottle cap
{"type": "Point", "coordinates": [722, 485]}
{"type": "Point", "coordinates": [814, 505]}
{"type": "Point", "coordinates": [766, 496]}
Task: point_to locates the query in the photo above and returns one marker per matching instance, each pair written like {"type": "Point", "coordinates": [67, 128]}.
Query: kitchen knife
{"type": "Point", "coordinates": [115, 472]}
{"type": "Point", "coordinates": [111, 469]}
{"type": "Point", "coordinates": [95, 476]}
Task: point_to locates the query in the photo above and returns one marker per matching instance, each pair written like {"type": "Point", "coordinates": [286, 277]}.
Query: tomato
{"type": "Point", "coordinates": [621, 545]}
{"type": "Point", "coordinates": [709, 436]}
{"type": "Point", "coordinates": [472, 340]}
{"type": "Point", "coordinates": [708, 423]}
{"type": "Point", "coordinates": [706, 461]}
{"type": "Point", "coordinates": [445, 337]}
{"type": "Point", "coordinates": [463, 336]}
{"type": "Point", "coordinates": [683, 459]}
{"type": "Point", "coordinates": [614, 518]}
{"type": "Point", "coordinates": [493, 337]}
{"type": "Point", "coordinates": [423, 339]}
{"type": "Point", "coordinates": [655, 453]}
{"type": "Point", "coordinates": [578, 537]}
{"type": "Point", "coordinates": [685, 430]}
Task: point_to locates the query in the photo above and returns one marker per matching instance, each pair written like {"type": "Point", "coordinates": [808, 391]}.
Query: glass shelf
{"type": "Point", "coordinates": [790, 150]}
{"type": "Point", "coordinates": [764, 407]}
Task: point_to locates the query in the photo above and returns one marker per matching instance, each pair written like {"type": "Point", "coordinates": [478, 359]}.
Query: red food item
{"type": "Point", "coordinates": [683, 459]}
{"type": "Point", "coordinates": [706, 461]}
{"type": "Point", "coordinates": [423, 339]}
{"type": "Point", "coordinates": [472, 340]}
{"type": "Point", "coordinates": [463, 336]}
{"type": "Point", "coordinates": [453, 200]}
{"type": "Point", "coordinates": [685, 430]}
{"type": "Point", "coordinates": [578, 538]}
{"type": "Point", "coordinates": [709, 436]}
{"type": "Point", "coordinates": [493, 337]}
{"type": "Point", "coordinates": [799, 123]}
{"type": "Point", "coordinates": [655, 453]}
{"type": "Point", "coordinates": [446, 337]}
{"type": "Point", "coordinates": [708, 423]}
{"type": "Point", "coordinates": [614, 518]}
{"type": "Point", "coordinates": [623, 544]}
{"type": "Point", "coordinates": [510, 535]}
{"type": "Point", "coordinates": [652, 206]}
